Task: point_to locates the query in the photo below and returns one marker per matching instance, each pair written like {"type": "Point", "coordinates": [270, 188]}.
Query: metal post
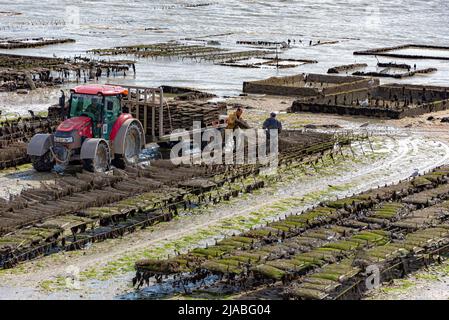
{"type": "Point", "coordinates": [137, 103]}
{"type": "Point", "coordinates": [153, 115]}
{"type": "Point", "coordinates": [145, 111]}
{"type": "Point", "coordinates": [161, 113]}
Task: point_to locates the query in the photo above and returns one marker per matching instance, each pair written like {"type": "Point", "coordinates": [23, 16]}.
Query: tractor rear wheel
{"type": "Point", "coordinates": [132, 147]}
{"type": "Point", "coordinates": [101, 161]}
{"type": "Point", "coordinates": [43, 163]}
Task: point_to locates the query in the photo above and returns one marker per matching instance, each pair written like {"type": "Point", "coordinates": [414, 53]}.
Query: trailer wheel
{"type": "Point", "coordinates": [43, 163]}
{"type": "Point", "coordinates": [101, 161]}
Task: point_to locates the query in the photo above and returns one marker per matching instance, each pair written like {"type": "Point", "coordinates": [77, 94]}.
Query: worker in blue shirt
{"type": "Point", "coordinates": [272, 123]}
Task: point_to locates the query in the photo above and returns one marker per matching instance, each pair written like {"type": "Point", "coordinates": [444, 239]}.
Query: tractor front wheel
{"type": "Point", "coordinates": [43, 163]}
{"type": "Point", "coordinates": [101, 161]}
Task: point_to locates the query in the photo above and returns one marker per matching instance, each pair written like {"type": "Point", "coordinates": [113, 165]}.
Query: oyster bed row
{"type": "Point", "coordinates": [79, 209]}
{"type": "Point", "coordinates": [328, 252]}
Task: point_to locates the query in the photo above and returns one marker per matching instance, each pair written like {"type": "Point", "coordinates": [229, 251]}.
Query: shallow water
{"type": "Point", "coordinates": [356, 24]}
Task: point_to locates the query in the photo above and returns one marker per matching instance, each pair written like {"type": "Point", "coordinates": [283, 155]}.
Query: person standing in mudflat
{"type": "Point", "coordinates": [272, 124]}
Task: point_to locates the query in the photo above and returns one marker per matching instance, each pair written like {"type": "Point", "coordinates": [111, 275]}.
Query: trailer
{"type": "Point", "coordinates": [149, 106]}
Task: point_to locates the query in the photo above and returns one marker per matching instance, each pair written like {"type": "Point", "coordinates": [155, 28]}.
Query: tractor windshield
{"type": "Point", "coordinates": [86, 105]}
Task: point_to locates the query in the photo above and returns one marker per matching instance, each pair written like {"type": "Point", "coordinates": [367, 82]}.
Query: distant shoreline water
{"type": "Point", "coordinates": [356, 24]}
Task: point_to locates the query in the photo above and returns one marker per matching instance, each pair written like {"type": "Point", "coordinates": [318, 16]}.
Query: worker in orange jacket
{"type": "Point", "coordinates": [235, 120]}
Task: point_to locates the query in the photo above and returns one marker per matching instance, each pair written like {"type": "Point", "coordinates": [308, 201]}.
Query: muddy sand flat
{"type": "Point", "coordinates": [105, 269]}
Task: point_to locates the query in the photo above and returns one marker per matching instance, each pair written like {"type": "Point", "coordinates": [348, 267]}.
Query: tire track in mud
{"type": "Point", "coordinates": [405, 155]}
{"type": "Point", "coordinates": [400, 150]}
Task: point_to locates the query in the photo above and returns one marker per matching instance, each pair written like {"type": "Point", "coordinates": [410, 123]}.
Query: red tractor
{"type": "Point", "coordinates": [95, 132]}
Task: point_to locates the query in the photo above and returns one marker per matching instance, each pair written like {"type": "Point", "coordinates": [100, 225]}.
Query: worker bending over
{"type": "Point", "coordinates": [235, 120]}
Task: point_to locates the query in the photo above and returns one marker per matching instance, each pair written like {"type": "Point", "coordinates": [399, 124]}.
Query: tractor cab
{"type": "Point", "coordinates": [101, 104]}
